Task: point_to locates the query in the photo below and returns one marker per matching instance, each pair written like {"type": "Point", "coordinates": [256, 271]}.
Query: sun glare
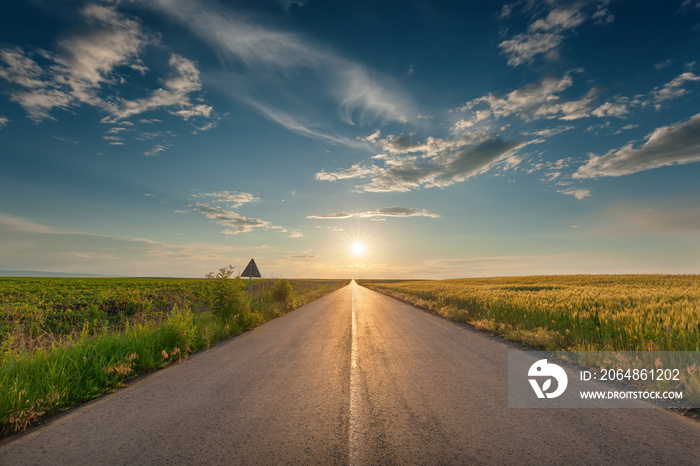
{"type": "Point", "coordinates": [358, 249]}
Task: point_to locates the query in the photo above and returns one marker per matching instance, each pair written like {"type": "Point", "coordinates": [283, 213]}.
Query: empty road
{"type": "Point", "coordinates": [352, 378]}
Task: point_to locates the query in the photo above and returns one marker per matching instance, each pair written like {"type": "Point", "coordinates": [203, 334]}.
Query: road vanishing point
{"type": "Point", "coordinates": [352, 378]}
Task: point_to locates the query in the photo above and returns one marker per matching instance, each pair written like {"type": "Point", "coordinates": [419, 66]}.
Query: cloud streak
{"type": "Point", "coordinates": [233, 198]}
{"type": "Point", "coordinates": [396, 212]}
{"type": "Point", "coordinates": [261, 58]}
{"type": "Point", "coordinates": [669, 145]}
{"type": "Point", "coordinates": [234, 222]}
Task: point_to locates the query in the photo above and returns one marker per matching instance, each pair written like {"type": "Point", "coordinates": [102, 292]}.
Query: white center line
{"type": "Point", "coordinates": [354, 427]}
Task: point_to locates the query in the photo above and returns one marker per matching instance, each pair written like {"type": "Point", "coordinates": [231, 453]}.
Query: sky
{"type": "Point", "coordinates": [449, 139]}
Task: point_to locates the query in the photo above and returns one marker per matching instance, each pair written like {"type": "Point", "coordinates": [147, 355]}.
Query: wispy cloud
{"type": "Point", "coordinates": [287, 4]}
{"type": "Point", "coordinates": [578, 193]}
{"type": "Point", "coordinates": [336, 216]}
{"type": "Point", "coordinates": [14, 223]}
{"type": "Point", "coordinates": [299, 125]}
{"type": "Point", "coordinates": [356, 171]}
{"type": "Point", "coordinates": [88, 65]}
{"type": "Point", "coordinates": [540, 99]}
{"type": "Point", "coordinates": [669, 145]}
{"type": "Point", "coordinates": [441, 163]}
{"type": "Point", "coordinates": [156, 150]}
{"type": "Point", "coordinates": [264, 57]}
{"type": "Point", "coordinates": [674, 88]}
{"type": "Point", "coordinates": [549, 132]}
{"type": "Point", "coordinates": [234, 199]}
{"type": "Point", "coordinates": [302, 257]}
{"type": "Point", "coordinates": [174, 95]}
{"type": "Point", "coordinates": [522, 48]}
{"type": "Point", "coordinates": [235, 222]}
{"type": "Point", "coordinates": [381, 212]}
{"type": "Point", "coordinates": [4, 121]}
{"type": "Point", "coordinates": [622, 106]}
{"type": "Point", "coordinates": [549, 25]}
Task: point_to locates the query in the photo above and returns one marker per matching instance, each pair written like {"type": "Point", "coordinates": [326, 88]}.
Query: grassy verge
{"type": "Point", "coordinates": [575, 313]}
{"type": "Point", "coordinates": [66, 341]}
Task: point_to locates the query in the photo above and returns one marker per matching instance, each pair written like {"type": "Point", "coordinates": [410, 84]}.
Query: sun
{"type": "Point", "coordinates": [358, 249]}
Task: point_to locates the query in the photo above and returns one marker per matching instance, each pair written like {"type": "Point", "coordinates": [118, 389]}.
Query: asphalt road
{"type": "Point", "coordinates": [353, 378]}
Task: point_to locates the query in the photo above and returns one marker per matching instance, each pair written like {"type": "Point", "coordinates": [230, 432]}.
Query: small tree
{"type": "Point", "coordinates": [227, 299]}
{"type": "Point", "coordinates": [282, 291]}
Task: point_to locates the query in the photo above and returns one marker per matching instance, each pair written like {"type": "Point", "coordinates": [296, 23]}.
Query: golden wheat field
{"type": "Point", "coordinates": [568, 312]}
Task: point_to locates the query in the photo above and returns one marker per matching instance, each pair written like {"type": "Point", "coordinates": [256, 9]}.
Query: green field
{"type": "Point", "coordinates": [67, 340]}
{"type": "Point", "coordinates": [568, 312]}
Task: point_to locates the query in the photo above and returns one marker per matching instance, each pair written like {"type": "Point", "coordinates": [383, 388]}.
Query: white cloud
{"type": "Point", "coordinates": [576, 192]}
{"type": "Point", "coordinates": [235, 222]}
{"type": "Point", "coordinates": [674, 88]}
{"type": "Point", "coordinates": [90, 57]}
{"type": "Point", "coordinates": [536, 100]}
{"type": "Point", "coordinates": [20, 69]}
{"type": "Point", "coordinates": [669, 145]}
{"type": "Point", "coordinates": [336, 216]}
{"type": "Point", "coordinates": [512, 162]}
{"type": "Point", "coordinates": [626, 128]}
{"type": "Point", "coordinates": [4, 121]}
{"type": "Point", "coordinates": [620, 106]}
{"type": "Point", "coordinates": [524, 47]}
{"type": "Point", "coordinates": [156, 150]}
{"type": "Point", "coordinates": [233, 198]}
{"type": "Point", "coordinates": [84, 63]}
{"type": "Point", "coordinates": [551, 23]}
{"type": "Point", "coordinates": [174, 95]}
{"type": "Point", "coordinates": [89, 64]}
{"type": "Point", "coordinates": [297, 125]}
{"type": "Point", "coordinates": [302, 257]}
{"type": "Point", "coordinates": [381, 212]}
{"type": "Point", "coordinates": [372, 137]}
{"type": "Point", "coordinates": [559, 18]}
{"type": "Point", "coordinates": [441, 164]}
{"type": "Point", "coordinates": [611, 109]}
{"type": "Point", "coordinates": [549, 132]}
{"type": "Point", "coordinates": [398, 212]}
{"type": "Point", "coordinates": [356, 171]}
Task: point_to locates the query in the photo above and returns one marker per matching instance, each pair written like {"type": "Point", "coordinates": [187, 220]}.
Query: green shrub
{"type": "Point", "coordinates": [228, 297]}
{"type": "Point", "coordinates": [282, 291]}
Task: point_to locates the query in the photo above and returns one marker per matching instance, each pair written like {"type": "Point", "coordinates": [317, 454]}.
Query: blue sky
{"type": "Point", "coordinates": [452, 139]}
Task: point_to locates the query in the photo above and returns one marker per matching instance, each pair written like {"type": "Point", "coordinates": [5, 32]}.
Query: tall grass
{"type": "Point", "coordinates": [65, 340]}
